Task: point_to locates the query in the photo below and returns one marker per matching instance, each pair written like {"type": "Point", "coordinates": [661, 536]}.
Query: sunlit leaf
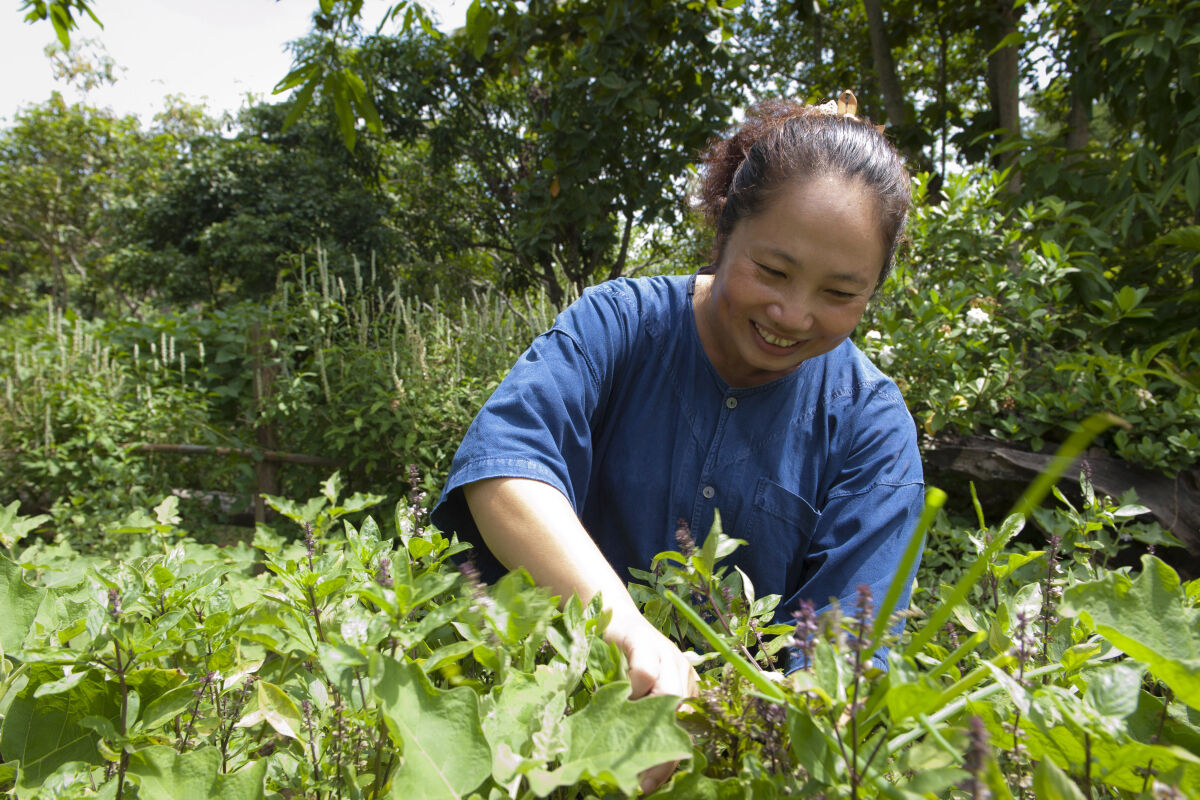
{"type": "Point", "coordinates": [445, 753]}
{"type": "Point", "coordinates": [167, 775]}
{"type": "Point", "coordinates": [1145, 617]}
{"type": "Point", "coordinates": [614, 739]}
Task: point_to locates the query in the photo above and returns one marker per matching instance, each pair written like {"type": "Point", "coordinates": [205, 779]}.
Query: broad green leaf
{"type": "Point", "coordinates": [45, 732]}
{"type": "Point", "coordinates": [1118, 762]}
{"type": "Point", "coordinates": [274, 707]}
{"type": "Point", "coordinates": [1113, 690]}
{"type": "Point", "coordinates": [445, 753]}
{"type": "Point", "coordinates": [521, 609]}
{"type": "Point", "coordinates": [1146, 618]}
{"type": "Point", "coordinates": [168, 706]}
{"type": "Point", "coordinates": [692, 784]}
{"type": "Point", "coordinates": [525, 715]}
{"type": "Point", "coordinates": [63, 684]}
{"type": "Point", "coordinates": [910, 699]}
{"type": "Point", "coordinates": [613, 739]}
{"type": "Point", "coordinates": [14, 527]}
{"type": "Point", "coordinates": [935, 781]}
{"type": "Point", "coordinates": [1187, 237]}
{"type": "Point", "coordinates": [20, 602]}
{"type": "Point", "coordinates": [810, 745]}
{"type": "Point", "coordinates": [1051, 783]}
{"type": "Point", "coordinates": [167, 775]}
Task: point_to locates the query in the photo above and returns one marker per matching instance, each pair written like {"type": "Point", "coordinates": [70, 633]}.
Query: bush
{"type": "Point", "coordinates": [979, 328]}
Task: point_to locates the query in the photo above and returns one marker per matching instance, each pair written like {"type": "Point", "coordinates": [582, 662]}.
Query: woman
{"type": "Point", "coordinates": [661, 399]}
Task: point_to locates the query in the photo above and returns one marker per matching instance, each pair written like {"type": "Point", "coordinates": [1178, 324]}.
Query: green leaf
{"type": "Point", "coordinates": [523, 719]}
{"type": "Point", "coordinates": [1051, 783]}
{"type": "Point", "coordinates": [335, 87]}
{"type": "Point", "coordinates": [810, 745]}
{"type": "Point", "coordinates": [168, 706]}
{"type": "Point", "coordinates": [1146, 617]}
{"type": "Point", "coordinates": [274, 707]}
{"type": "Point", "coordinates": [1113, 690]}
{"type": "Point", "coordinates": [445, 753]}
{"type": "Point", "coordinates": [167, 775]}
{"type": "Point", "coordinates": [1187, 237]}
{"type": "Point", "coordinates": [13, 527]}
{"type": "Point", "coordinates": [613, 739]}
{"type": "Point", "coordinates": [20, 602]}
{"type": "Point", "coordinates": [300, 102]}
{"type": "Point", "coordinates": [46, 732]}
{"type": "Point", "coordinates": [693, 784]}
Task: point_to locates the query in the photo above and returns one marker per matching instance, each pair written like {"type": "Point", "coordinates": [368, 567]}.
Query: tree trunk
{"type": "Point", "coordinates": [1079, 131]}
{"type": "Point", "coordinates": [885, 65]}
{"type": "Point", "coordinates": [900, 113]}
{"type": "Point", "coordinates": [618, 267]}
{"type": "Point", "coordinates": [1004, 81]}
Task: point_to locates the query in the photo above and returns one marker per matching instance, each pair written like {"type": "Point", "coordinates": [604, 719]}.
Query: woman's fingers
{"type": "Point", "coordinates": [645, 670]}
{"type": "Point", "coordinates": [655, 777]}
{"type": "Point", "coordinates": [656, 665]}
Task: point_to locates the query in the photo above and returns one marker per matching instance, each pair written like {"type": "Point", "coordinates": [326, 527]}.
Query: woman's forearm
{"type": "Point", "coordinates": [530, 524]}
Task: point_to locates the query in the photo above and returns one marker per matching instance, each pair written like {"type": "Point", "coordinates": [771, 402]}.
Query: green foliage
{"type": "Point", "coordinates": [74, 401]}
{"type": "Point", "coordinates": [233, 214]}
{"type": "Point", "coordinates": [553, 131]}
{"type": "Point", "coordinates": [1136, 174]}
{"type": "Point", "coordinates": [62, 14]}
{"type": "Point", "coordinates": [979, 330]}
{"type": "Point", "coordinates": [65, 172]}
{"type": "Point", "coordinates": [368, 667]}
{"type": "Point", "coordinates": [335, 358]}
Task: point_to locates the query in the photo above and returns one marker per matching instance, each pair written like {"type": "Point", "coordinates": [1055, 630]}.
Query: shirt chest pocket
{"type": "Point", "coordinates": [780, 533]}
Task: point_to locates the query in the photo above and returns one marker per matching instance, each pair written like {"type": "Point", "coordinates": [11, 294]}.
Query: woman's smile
{"type": "Point", "coordinates": [776, 341]}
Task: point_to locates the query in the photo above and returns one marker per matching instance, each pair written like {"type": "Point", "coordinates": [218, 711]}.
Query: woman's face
{"type": "Point", "coordinates": [792, 281]}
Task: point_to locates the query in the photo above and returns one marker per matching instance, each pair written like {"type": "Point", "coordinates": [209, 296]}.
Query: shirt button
{"type": "Point", "coordinates": [731, 402]}
{"type": "Point", "coordinates": [708, 492]}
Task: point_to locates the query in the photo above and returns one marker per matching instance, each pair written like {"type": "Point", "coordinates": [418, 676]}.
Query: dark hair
{"type": "Point", "coordinates": [781, 141]}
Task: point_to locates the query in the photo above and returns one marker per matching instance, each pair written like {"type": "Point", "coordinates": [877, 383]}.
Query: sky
{"type": "Point", "coordinates": [214, 52]}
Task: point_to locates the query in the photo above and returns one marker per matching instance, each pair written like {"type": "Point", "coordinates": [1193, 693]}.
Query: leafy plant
{"type": "Point", "coordinates": [346, 664]}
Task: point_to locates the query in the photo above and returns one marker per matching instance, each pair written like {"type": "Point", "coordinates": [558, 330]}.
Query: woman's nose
{"type": "Point", "coordinates": [793, 315]}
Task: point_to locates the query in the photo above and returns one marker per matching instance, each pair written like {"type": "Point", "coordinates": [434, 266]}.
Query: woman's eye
{"type": "Point", "coordinates": [840, 295]}
{"type": "Point", "coordinates": [774, 273]}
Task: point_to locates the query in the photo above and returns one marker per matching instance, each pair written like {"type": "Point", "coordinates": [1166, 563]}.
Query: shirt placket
{"type": "Point", "coordinates": [709, 487]}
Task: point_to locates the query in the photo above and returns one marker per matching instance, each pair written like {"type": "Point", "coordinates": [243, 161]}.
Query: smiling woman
{"type": "Point", "coordinates": [792, 282]}
{"type": "Point", "coordinates": [653, 404]}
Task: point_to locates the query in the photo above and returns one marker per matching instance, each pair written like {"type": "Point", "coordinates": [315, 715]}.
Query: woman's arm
{"type": "Point", "coordinates": [530, 524]}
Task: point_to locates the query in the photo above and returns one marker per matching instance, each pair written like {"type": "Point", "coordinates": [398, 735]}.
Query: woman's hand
{"type": "Point", "coordinates": [656, 667]}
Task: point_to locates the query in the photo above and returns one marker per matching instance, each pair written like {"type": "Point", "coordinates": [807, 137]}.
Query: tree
{"type": "Point", "coordinates": [563, 128]}
{"type": "Point", "coordinates": [64, 172]}
{"type": "Point", "coordinates": [233, 212]}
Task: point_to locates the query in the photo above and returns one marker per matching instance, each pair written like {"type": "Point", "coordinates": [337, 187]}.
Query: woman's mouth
{"type": "Point", "coordinates": [772, 339]}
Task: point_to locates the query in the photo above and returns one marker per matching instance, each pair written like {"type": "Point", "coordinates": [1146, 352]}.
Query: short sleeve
{"type": "Point", "coordinates": [870, 513]}
{"type": "Point", "coordinates": [538, 422]}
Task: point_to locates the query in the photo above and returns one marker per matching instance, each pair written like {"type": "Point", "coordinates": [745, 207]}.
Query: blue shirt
{"type": "Point", "coordinates": [619, 408]}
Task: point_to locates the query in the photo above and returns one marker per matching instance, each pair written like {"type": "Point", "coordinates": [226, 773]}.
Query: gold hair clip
{"type": "Point", "coordinates": [846, 105]}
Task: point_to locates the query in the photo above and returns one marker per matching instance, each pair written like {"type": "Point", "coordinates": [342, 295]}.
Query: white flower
{"type": "Point", "coordinates": [1145, 397]}
{"type": "Point", "coordinates": [977, 316]}
{"type": "Point", "coordinates": [873, 335]}
{"type": "Point", "coordinates": [887, 354]}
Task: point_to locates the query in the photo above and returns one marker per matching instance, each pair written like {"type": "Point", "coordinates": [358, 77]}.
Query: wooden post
{"type": "Point", "coordinates": [266, 472]}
